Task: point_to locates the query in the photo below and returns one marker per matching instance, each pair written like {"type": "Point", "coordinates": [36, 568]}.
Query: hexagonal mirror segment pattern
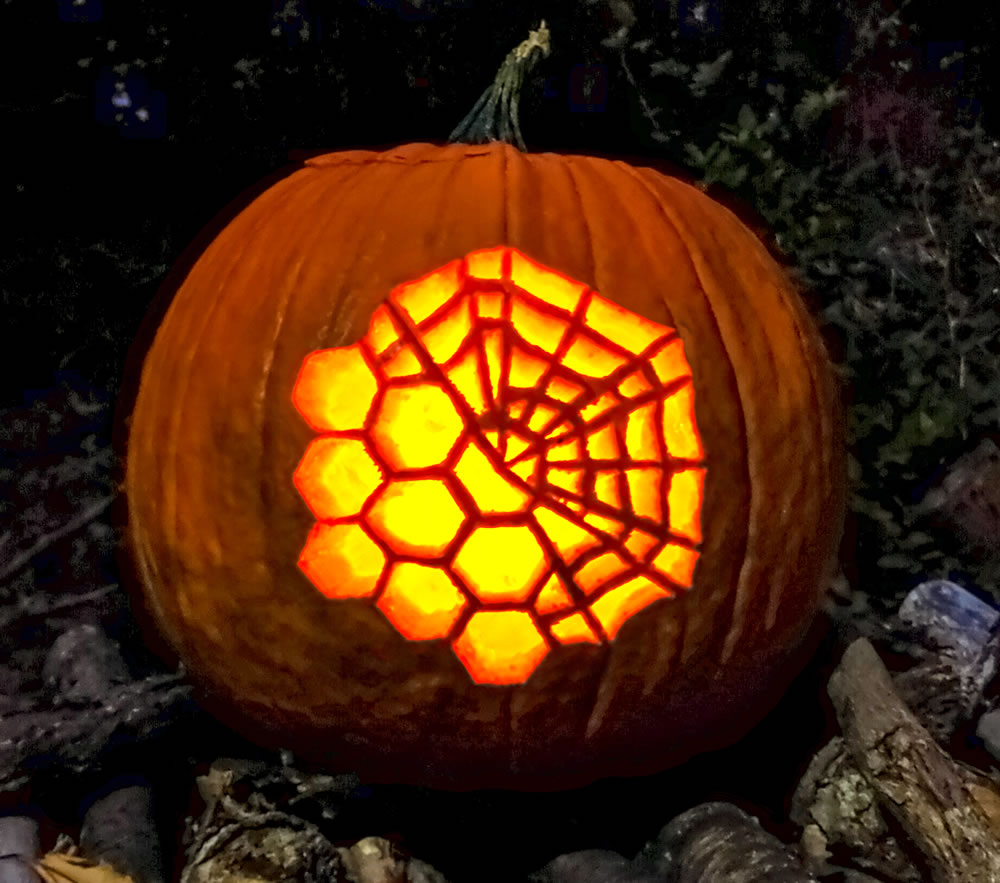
{"type": "Point", "coordinates": [507, 461]}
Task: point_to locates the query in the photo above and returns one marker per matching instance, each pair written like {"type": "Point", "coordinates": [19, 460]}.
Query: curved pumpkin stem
{"type": "Point", "coordinates": [496, 108]}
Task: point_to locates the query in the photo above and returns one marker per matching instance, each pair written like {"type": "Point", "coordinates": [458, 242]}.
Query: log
{"type": "Point", "coordinates": [949, 813]}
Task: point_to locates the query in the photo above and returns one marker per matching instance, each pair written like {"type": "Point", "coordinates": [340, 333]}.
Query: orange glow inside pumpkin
{"type": "Point", "coordinates": [507, 461]}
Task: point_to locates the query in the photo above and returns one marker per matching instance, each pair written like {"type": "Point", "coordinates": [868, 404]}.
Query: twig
{"type": "Point", "coordinates": [38, 607]}
{"type": "Point", "coordinates": [648, 111]}
{"type": "Point", "coordinates": [43, 542]}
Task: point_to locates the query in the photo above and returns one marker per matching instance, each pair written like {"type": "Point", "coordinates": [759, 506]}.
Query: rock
{"type": "Point", "coordinates": [19, 849]}
{"type": "Point", "coordinates": [988, 729]}
{"type": "Point", "coordinates": [119, 828]}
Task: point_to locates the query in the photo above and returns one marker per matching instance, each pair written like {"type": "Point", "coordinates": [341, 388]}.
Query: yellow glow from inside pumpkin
{"type": "Point", "coordinates": [421, 601]}
{"type": "Point", "coordinates": [567, 450]}
{"type": "Point", "coordinates": [586, 357]}
{"type": "Point", "coordinates": [541, 418]}
{"type": "Point", "coordinates": [608, 525]}
{"type": "Point", "coordinates": [489, 488]}
{"type": "Point", "coordinates": [607, 488]}
{"type": "Point", "coordinates": [336, 476]}
{"type": "Point", "coordinates": [443, 339]}
{"type": "Point", "coordinates": [486, 263]}
{"type": "Point", "coordinates": [574, 629]}
{"type": "Point", "coordinates": [403, 364]}
{"type": "Point", "coordinates": [596, 572]}
{"type": "Point", "coordinates": [677, 563]}
{"type": "Point", "coordinates": [638, 543]}
{"type": "Point", "coordinates": [467, 380]}
{"type": "Point", "coordinates": [417, 517]}
{"type": "Point", "coordinates": [530, 476]}
{"type": "Point", "coordinates": [613, 608]}
{"type": "Point", "coordinates": [678, 425]}
{"type": "Point", "coordinates": [684, 502]}
{"type": "Point", "coordinates": [500, 646]}
{"type": "Point", "coordinates": [489, 305]}
{"type": "Point", "coordinates": [423, 297]}
{"type": "Point", "coordinates": [503, 563]}
{"type": "Point", "coordinates": [434, 424]}
{"type": "Point", "coordinates": [644, 491]}
{"type": "Point", "coordinates": [493, 348]}
{"type": "Point", "coordinates": [334, 389]}
{"type": "Point", "coordinates": [550, 287]}
{"type": "Point", "coordinates": [553, 596]}
{"type": "Point", "coordinates": [525, 372]}
{"type": "Point", "coordinates": [602, 444]}
{"type": "Point", "coordinates": [342, 560]}
{"type": "Point", "coordinates": [539, 329]}
{"type": "Point", "coordinates": [562, 390]}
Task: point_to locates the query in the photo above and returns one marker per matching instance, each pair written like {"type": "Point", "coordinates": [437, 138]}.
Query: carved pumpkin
{"type": "Point", "coordinates": [469, 467]}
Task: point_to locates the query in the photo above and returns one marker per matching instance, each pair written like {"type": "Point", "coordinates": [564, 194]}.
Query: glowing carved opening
{"type": "Point", "coordinates": [417, 517]}
{"type": "Point", "coordinates": [536, 445]}
{"type": "Point", "coordinates": [433, 423]}
{"type": "Point", "coordinates": [342, 560]}
{"type": "Point", "coordinates": [334, 389]}
{"type": "Point", "coordinates": [336, 476]}
{"type": "Point", "coordinates": [501, 646]}
{"type": "Point", "coordinates": [421, 601]}
{"type": "Point", "coordinates": [501, 563]}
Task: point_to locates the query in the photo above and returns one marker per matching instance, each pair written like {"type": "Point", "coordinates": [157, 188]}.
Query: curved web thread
{"type": "Point", "coordinates": [508, 461]}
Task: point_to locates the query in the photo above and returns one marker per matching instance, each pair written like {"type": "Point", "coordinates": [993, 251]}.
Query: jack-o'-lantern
{"type": "Point", "coordinates": [470, 467]}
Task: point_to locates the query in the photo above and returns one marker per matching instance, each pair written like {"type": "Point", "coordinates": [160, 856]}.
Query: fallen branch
{"type": "Point", "coordinates": [949, 813]}
{"type": "Point", "coordinates": [79, 738]}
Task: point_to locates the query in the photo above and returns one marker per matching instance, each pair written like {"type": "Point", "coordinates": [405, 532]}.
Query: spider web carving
{"type": "Point", "coordinates": [507, 461]}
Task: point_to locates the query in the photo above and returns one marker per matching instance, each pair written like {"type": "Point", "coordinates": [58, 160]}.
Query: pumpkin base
{"type": "Point", "coordinates": [715, 716]}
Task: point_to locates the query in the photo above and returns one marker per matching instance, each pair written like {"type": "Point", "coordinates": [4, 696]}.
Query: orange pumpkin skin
{"type": "Point", "coordinates": [216, 524]}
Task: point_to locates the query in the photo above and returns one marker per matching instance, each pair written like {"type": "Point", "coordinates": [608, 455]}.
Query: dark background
{"type": "Point", "coordinates": [101, 192]}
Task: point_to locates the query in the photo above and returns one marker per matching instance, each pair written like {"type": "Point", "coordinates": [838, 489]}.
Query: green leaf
{"type": "Point", "coordinates": [708, 74]}
{"type": "Point", "coordinates": [895, 561]}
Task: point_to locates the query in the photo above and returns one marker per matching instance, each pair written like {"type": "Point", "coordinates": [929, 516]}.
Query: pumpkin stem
{"type": "Point", "coordinates": [497, 106]}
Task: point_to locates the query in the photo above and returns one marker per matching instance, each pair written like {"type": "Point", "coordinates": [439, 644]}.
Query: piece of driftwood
{"type": "Point", "coordinates": [950, 814]}
{"type": "Point", "coordinates": [74, 734]}
{"type": "Point", "coordinates": [835, 806]}
{"type": "Point", "coordinates": [952, 638]}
